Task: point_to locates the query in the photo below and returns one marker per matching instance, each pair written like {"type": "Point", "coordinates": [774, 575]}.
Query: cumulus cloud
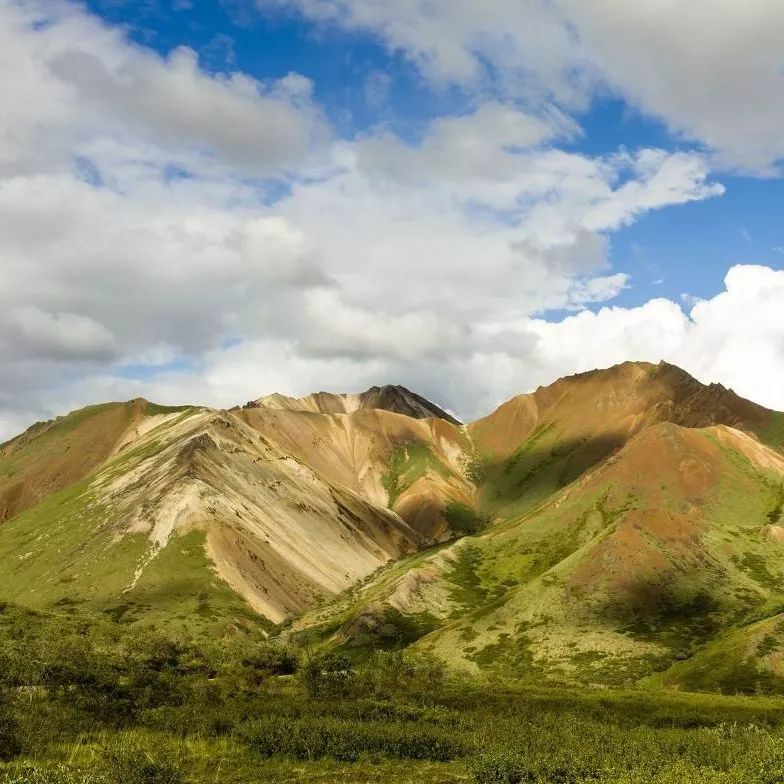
{"type": "Point", "coordinates": [735, 338]}
{"type": "Point", "coordinates": [136, 259]}
{"type": "Point", "coordinates": [711, 69]}
{"type": "Point", "coordinates": [69, 79]}
{"type": "Point", "coordinates": [248, 124]}
{"type": "Point", "coordinates": [30, 332]}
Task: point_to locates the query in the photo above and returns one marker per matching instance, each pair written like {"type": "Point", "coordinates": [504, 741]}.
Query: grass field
{"type": "Point", "coordinates": [96, 702]}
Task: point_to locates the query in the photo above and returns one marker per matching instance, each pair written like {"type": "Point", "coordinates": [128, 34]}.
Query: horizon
{"type": "Point", "coordinates": [440, 404]}
{"type": "Point", "coordinates": [206, 201]}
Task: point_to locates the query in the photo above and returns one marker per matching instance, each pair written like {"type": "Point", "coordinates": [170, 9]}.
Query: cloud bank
{"type": "Point", "coordinates": [194, 237]}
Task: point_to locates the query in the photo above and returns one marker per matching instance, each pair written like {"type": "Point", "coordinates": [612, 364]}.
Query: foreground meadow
{"type": "Point", "coordinates": [89, 703]}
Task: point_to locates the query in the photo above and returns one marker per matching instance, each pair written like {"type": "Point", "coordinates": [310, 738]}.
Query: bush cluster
{"type": "Point", "coordinates": [318, 737]}
{"type": "Point", "coordinates": [132, 704]}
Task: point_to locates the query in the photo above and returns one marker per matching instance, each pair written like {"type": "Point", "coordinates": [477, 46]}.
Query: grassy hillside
{"type": "Point", "coordinates": [195, 521]}
{"type": "Point", "coordinates": [653, 558]}
{"type": "Point", "coordinates": [105, 703]}
{"type": "Point", "coordinates": [66, 554]}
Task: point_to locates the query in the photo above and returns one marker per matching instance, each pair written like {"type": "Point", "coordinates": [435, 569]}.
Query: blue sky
{"type": "Point", "coordinates": [676, 251]}
{"type": "Point", "coordinates": [211, 200]}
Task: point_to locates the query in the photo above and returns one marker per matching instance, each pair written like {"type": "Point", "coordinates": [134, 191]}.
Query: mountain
{"type": "Point", "coordinates": [207, 517]}
{"type": "Point", "coordinates": [396, 399]}
{"type": "Point", "coordinates": [536, 444]}
{"type": "Point", "coordinates": [623, 525]}
{"type": "Point", "coordinates": [635, 521]}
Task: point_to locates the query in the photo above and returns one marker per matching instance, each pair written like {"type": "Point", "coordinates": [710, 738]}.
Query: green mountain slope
{"type": "Point", "coordinates": [630, 533]}
{"type": "Point", "coordinates": [50, 456]}
{"type": "Point", "coordinates": [620, 526]}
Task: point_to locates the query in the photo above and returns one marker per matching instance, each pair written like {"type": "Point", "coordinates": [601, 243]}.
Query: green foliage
{"type": "Point", "coordinates": [265, 658]}
{"type": "Point", "coordinates": [409, 462]}
{"type": "Point", "coordinates": [402, 674]}
{"type": "Point", "coordinates": [499, 768]}
{"type": "Point", "coordinates": [128, 765]}
{"type": "Point", "coordinates": [93, 702]}
{"type": "Point", "coordinates": [56, 775]}
{"type": "Point", "coordinates": [402, 629]}
{"type": "Point", "coordinates": [776, 514]}
{"type": "Point", "coordinates": [314, 738]}
{"type": "Point", "coordinates": [463, 519]}
{"type": "Point", "coordinates": [10, 744]}
{"type": "Point", "coordinates": [467, 590]}
{"type": "Point", "coordinates": [329, 675]}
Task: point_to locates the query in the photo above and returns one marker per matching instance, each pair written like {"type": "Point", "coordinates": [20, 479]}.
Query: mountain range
{"type": "Point", "coordinates": [619, 526]}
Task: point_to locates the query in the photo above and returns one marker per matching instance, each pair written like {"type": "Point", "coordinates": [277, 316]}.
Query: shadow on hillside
{"type": "Point", "coordinates": [539, 468]}
{"type": "Point", "coordinates": [662, 609]}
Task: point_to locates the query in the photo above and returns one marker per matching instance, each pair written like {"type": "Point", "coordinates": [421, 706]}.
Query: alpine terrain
{"type": "Point", "coordinates": [623, 526]}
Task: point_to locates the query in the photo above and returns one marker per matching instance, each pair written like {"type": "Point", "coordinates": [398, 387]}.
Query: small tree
{"type": "Point", "coordinates": [329, 676]}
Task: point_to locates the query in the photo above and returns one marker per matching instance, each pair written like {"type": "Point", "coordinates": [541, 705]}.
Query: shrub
{"type": "Point", "coordinates": [500, 768]}
{"type": "Point", "coordinates": [314, 738]}
{"type": "Point", "coordinates": [10, 745]}
{"type": "Point", "coordinates": [331, 675]}
{"type": "Point", "coordinates": [269, 658]}
{"type": "Point", "coordinates": [510, 768]}
{"type": "Point", "coordinates": [403, 674]}
{"type": "Point", "coordinates": [135, 766]}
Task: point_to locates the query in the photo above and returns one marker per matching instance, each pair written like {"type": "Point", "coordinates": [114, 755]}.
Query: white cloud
{"type": "Point", "coordinates": [711, 69]}
{"type": "Point", "coordinates": [29, 332]}
{"type": "Point", "coordinates": [248, 125]}
{"type": "Point", "coordinates": [735, 338]}
{"type": "Point", "coordinates": [131, 246]}
{"type": "Point", "coordinates": [70, 79]}
{"type": "Point", "coordinates": [451, 40]}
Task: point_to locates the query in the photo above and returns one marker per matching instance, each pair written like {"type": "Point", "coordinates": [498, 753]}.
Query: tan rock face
{"type": "Point", "coordinates": [278, 533]}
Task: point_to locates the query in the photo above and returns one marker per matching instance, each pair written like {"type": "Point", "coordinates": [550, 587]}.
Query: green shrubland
{"type": "Point", "coordinates": [87, 701]}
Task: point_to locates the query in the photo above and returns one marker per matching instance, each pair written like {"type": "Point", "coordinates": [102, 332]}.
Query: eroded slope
{"type": "Point", "coordinates": [50, 456]}
{"type": "Point", "coordinates": [414, 466]}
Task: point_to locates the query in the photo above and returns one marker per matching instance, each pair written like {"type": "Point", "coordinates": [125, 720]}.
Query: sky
{"type": "Point", "coordinates": [207, 201]}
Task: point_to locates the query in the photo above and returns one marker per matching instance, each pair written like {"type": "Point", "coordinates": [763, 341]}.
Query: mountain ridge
{"type": "Point", "coordinates": [378, 520]}
{"type": "Point", "coordinates": [390, 397]}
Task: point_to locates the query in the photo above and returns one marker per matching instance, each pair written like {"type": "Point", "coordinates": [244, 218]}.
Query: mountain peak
{"type": "Point", "coordinates": [389, 397]}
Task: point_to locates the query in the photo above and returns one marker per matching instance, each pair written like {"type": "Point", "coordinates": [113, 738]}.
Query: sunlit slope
{"type": "Point", "coordinates": [662, 549]}
{"type": "Point", "coordinates": [534, 445]}
{"type": "Point", "coordinates": [267, 527]}
{"type": "Point", "coordinates": [415, 466]}
{"type": "Point", "coordinates": [50, 456]}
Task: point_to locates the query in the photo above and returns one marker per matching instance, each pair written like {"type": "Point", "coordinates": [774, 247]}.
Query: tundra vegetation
{"type": "Point", "coordinates": [88, 701]}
